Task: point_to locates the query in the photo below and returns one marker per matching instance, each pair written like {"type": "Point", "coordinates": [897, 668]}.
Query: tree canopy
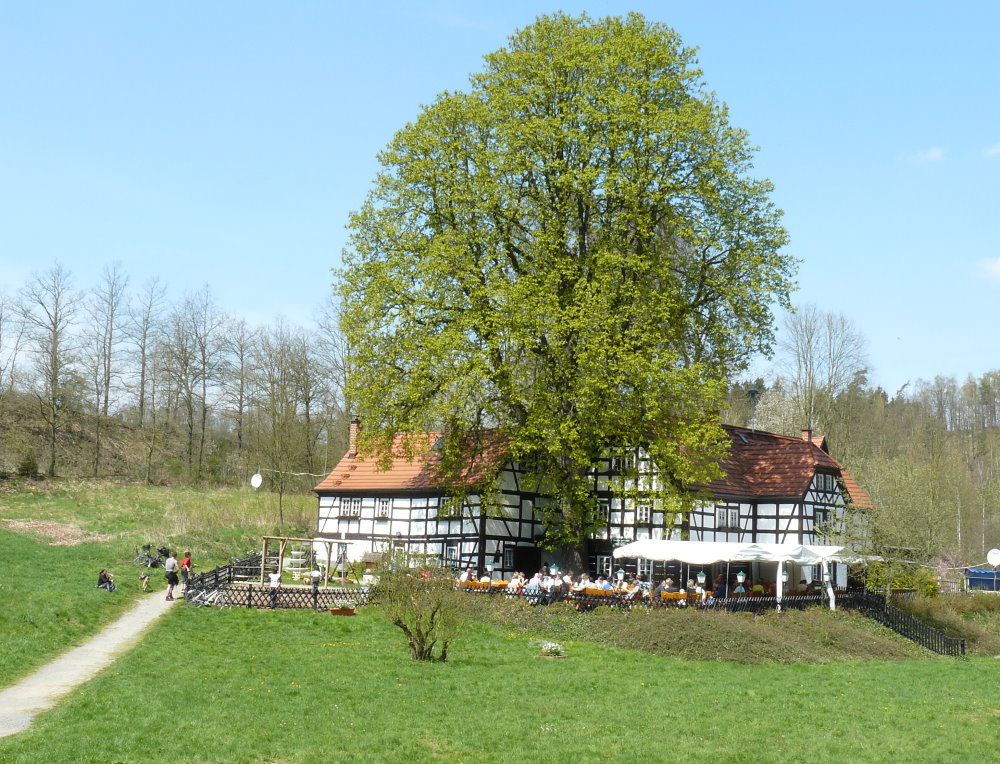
{"type": "Point", "coordinates": [574, 253]}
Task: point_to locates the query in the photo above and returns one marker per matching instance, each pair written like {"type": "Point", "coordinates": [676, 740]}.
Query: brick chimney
{"type": "Point", "coordinates": [352, 439]}
{"type": "Point", "coordinates": [807, 435]}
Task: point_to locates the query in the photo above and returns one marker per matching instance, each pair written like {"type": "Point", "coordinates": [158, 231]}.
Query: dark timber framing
{"type": "Point", "coordinates": [777, 489]}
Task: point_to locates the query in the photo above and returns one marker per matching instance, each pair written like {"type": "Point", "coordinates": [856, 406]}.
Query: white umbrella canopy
{"type": "Point", "coordinates": [705, 552]}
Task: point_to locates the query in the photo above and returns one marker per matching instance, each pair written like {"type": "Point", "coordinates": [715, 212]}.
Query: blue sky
{"type": "Point", "coordinates": [224, 143]}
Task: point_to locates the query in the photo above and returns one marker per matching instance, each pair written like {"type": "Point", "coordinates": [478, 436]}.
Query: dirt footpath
{"type": "Point", "coordinates": [20, 703]}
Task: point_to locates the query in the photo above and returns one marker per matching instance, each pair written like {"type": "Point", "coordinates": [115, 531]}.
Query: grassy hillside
{"type": "Point", "coordinates": [56, 536]}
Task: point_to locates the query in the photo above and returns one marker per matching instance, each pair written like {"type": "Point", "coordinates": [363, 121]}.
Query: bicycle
{"type": "Point", "coordinates": [146, 558]}
{"type": "Point", "coordinates": [211, 597]}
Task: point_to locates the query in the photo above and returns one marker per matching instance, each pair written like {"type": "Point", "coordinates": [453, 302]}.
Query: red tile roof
{"type": "Point", "coordinates": [418, 473]}
{"type": "Point", "coordinates": [763, 464]}
{"type": "Point", "coordinates": [759, 465]}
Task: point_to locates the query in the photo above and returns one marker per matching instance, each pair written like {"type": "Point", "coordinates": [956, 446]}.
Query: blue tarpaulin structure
{"type": "Point", "coordinates": [983, 578]}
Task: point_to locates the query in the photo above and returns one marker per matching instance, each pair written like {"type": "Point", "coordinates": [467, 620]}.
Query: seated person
{"type": "Point", "coordinates": [104, 580]}
{"type": "Point", "coordinates": [757, 590]}
{"type": "Point", "coordinates": [665, 586]}
{"type": "Point", "coordinates": [721, 588]}
{"type": "Point", "coordinates": [603, 583]}
{"type": "Point", "coordinates": [801, 588]}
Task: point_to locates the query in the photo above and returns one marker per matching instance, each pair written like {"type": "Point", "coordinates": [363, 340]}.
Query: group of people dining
{"type": "Point", "coordinates": [550, 585]}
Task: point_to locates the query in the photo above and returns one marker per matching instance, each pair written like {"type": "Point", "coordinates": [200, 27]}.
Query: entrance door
{"type": "Point", "coordinates": [527, 559]}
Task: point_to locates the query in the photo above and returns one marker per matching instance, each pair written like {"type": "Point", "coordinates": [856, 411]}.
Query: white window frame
{"type": "Point", "coordinates": [721, 518]}
{"type": "Point", "coordinates": [727, 518]}
{"type": "Point", "coordinates": [734, 518]}
{"type": "Point", "coordinates": [383, 508]}
{"type": "Point", "coordinates": [508, 558]}
{"type": "Point", "coordinates": [451, 553]}
{"type": "Point", "coordinates": [643, 514]}
{"type": "Point", "coordinates": [644, 567]}
{"type": "Point", "coordinates": [604, 562]}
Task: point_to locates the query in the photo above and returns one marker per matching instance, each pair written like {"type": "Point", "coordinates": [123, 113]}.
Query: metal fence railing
{"type": "Point", "coordinates": [876, 607]}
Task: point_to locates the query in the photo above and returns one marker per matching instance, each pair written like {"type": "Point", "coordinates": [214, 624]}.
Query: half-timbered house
{"type": "Point", "coordinates": [774, 489]}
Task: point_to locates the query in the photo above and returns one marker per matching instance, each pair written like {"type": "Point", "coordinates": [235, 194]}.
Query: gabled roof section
{"type": "Point", "coordinates": [760, 465]}
{"type": "Point", "coordinates": [763, 464]}
{"type": "Point", "coordinates": [419, 473]}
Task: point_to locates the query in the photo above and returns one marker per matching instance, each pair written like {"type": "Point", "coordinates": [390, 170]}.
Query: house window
{"type": "Point", "coordinates": [821, 517]}
{"type": "Point", "coordinates": [604, 507]}
{"type": "Point", "coordinates": [645, 568]}
{"type": "Point", "coordinates": [727, 518]}
{"type": "Point", "coordinates": [383, 509]}
{"type": "Point", "coordinates": [508, 558]}
{"type": "Point", "coordinates": [623, 462]}
{"type": "Point", "coordinates": [643, 514]}
{"type": "Point", "coordinates": [604, 565]}
{"type": "Point", "coordinates": [451, 553]}
{"type": "Point", "coordinates": [351, 507]}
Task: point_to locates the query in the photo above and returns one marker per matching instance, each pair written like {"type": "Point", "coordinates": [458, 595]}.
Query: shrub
{"type": "Point", "coordinates": [915, 577]}
{"type": "Point", "coordinates": [423, 602]}
{"type": "Point", "coordinates": [28, 466]}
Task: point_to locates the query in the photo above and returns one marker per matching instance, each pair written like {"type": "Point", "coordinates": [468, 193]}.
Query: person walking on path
{"type": "Point", "coordinates": [170, 570]}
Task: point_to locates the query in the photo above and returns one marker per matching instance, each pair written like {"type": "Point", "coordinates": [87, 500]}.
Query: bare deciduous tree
{"type": "Point", "coordinates": [102, 346]}
{"type": "Point", "coordinates": [49, 306]}
{"type": "Point", "coordinates": [821, 354]}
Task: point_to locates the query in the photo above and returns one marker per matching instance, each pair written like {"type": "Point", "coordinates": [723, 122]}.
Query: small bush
{"type": "Point", "coordinates": [910, 577]}
{"type": "Point", "coordinates": [28, 466]}
{"type": "Point", "coordinates": [422, 602]}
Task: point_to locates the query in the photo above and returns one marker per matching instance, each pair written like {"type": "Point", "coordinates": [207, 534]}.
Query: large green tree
{"type": "Point", "coordinates": [572, 253]}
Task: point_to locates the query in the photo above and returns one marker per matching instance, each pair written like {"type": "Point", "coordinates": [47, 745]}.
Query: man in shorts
{"type": "Point", "coordinates": [170, 570]}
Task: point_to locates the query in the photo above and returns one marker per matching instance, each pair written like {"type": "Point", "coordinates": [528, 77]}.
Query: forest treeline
{"type": "Point", "coordinates": [114, 380]}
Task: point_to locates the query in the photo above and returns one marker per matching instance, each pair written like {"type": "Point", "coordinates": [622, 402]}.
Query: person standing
{"type": "Point", "coordinates": [274, 578]}
{"type": "Point", "coordinates": [186, 569]}
{"type": "Point", "coordinates": [170, 571]}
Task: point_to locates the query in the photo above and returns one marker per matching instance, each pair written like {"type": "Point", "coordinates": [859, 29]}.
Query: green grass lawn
{"type": "Point", "coordinates": [259, 686]}
{"type": "Point", "coordinates": [49, 599]}
{"type": "Point", "coordinates": [249, 686]}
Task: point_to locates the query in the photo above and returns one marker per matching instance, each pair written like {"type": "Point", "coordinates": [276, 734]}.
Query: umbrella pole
{"type": "Point", "coordinates": [778, 584]}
